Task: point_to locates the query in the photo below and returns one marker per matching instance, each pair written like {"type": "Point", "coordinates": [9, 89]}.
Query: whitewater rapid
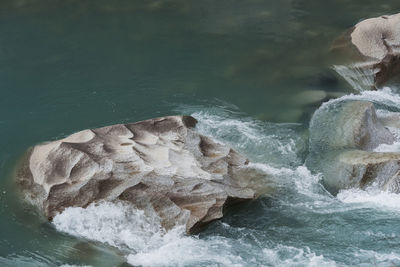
{"type": "Point", "coordinates": [299, 224]}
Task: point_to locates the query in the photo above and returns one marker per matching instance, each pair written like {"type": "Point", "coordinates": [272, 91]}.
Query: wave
{"type": "Point", "coordinates": [385, 98]}
{"type": "Point", "coordinates": [374, 258]}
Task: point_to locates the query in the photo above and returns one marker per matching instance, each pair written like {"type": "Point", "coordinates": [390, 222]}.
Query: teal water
{"type": "Point", "coordinates": [242, 68]}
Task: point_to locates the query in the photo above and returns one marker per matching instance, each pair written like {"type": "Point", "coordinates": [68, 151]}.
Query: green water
{"type": "Point", "coordinates": [72, 65]}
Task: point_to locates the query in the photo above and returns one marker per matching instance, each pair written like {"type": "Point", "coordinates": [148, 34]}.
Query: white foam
{"type": "Point", "coordinates": [295, 257]}
{"type": "Point", "coordinates": [186, 251]}
{"type": "Point", "coordinates": [263, 141]}
{"type": "Point", "coordinates": [395, 147]}
{"type": "Point", "coordinates": [370, 198]}
{"type": "Point", "coordinates": [383, 259]}
{"type": "Point", "coordinates": [141, 237]}
{"type": "Point", "coordinates": [145, 244]}
{"type": "Point", "coordinates": [270, 170]}
{"type": "Point", "coordinates": [304, 181]}
{"type": "Point", "coordinates": [116, 224]}
{"type": "Point", "coordinates": [386, 96]}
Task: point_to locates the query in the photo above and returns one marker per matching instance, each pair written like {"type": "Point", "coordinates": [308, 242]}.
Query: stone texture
{"type": "Point", "coordinates": [160, 164]}
{"type": "Point", "coordinates": [374, 47]}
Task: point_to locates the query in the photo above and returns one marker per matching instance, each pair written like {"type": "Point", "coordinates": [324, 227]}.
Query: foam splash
{"type": "Point", "coordinates": [386, 97]}
{"type": "Point", "coordinates": [296, 257]}
{"type": "Point", "coordinates": [271, 142]}
{"type": "Point", "coordinates": [395, 147]}
{"type": "Point", "coordinates": [144, 243]}
{"type": "Point", "coordinates": [115, 224]}
{"type": "Point", "coordinates": [261, 141]}
{"type": "Point", "coordinates": [185, 251]}
{"type": "Point", "coordinates": [141, 236]}
{"type": "Point", "coordinates": [371, 198]}
{"type": "Point", "coordinates": [305, 177]}
{"type": "Point", "coordinates": [374, 258]}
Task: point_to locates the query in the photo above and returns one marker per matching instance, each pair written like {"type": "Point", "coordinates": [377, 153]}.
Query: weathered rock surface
{"type": "Point", "coordinates": [343, 137]}
{"type": "Point", "coordinates": [374, 47]}
{"type": "Point", "coordinates": [160, 164]}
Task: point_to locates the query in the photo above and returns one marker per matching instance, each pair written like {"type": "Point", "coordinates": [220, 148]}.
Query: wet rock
{"type": "Point", "coordinates": [289, 115]}
{"type": "Point", "coordinates": [309, 97]}
{"type": "Point", "coordinates": [361, 169]}
{"type": "Point", "coordinates": [347, 125]}
{"type": "Point", "coordinates": [343, 137]}
{"type": "Point", "coordinates": [373, 45]}
{"type": "Point", "coordinates": [161, 165]}
{"type": "Point", "coordinates": [391, 120]}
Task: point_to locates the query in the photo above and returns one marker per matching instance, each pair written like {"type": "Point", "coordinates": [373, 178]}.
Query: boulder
{"type": "Point", "coordinates": [160, 165]}
{"type": "Point", "coordinates": [373, 46]}
{"type": "Point", "coordinates": [347, 125]}
{"type": "Point", "coordinates": [344, 136]}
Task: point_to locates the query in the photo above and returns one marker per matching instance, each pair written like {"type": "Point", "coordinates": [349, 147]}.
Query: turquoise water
{"type": "Point", "coordinates": [241, 68]}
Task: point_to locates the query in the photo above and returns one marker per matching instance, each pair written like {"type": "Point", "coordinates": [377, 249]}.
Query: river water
{"type": "Point", "coordinates": [252, 72]}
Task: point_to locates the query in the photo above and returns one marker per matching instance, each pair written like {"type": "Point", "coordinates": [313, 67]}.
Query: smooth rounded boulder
{"type": "Point", "coordinates": [160, 165]}
{"type": "Point", "coordinates": [372, 49]}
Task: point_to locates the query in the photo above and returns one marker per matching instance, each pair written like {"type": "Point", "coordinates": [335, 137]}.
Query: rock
{"type": "Point", "coordinates": [374, 46]}
{"type": "Point", "coordinates": [289, 115]}
{"type": "Point", "coordinates": [361, 169]}
{"type": "Point", "coordinates": [343, 136]}
{"type": "Point", "coordinates": [159, 165]}
{"type": "Point", "coordinates": [347, 125]}
{"type": "Point", "coordinates": [391, 120]}
{"type": "Point", "coordinates": [309, 97]}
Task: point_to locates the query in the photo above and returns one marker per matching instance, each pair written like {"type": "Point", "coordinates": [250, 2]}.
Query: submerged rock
{"type": "Point", "coordinates": [308, 97]}
{"type": "Point", "coordinates": [343, 141]}
{"type": "Point", "coordinates": [160, 165]}
{"type": "Point", "coordinates": [374, 47]}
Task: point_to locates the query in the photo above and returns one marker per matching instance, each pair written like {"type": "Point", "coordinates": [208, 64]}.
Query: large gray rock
{"type": "Point", "coordinates": [374, 47]}
{"type": "Point", "coordinates": [161, 165]}
{"type": "Point", "coordinates": [347, 125]}
{"type": "Point", "coordinates": [343, 137]}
